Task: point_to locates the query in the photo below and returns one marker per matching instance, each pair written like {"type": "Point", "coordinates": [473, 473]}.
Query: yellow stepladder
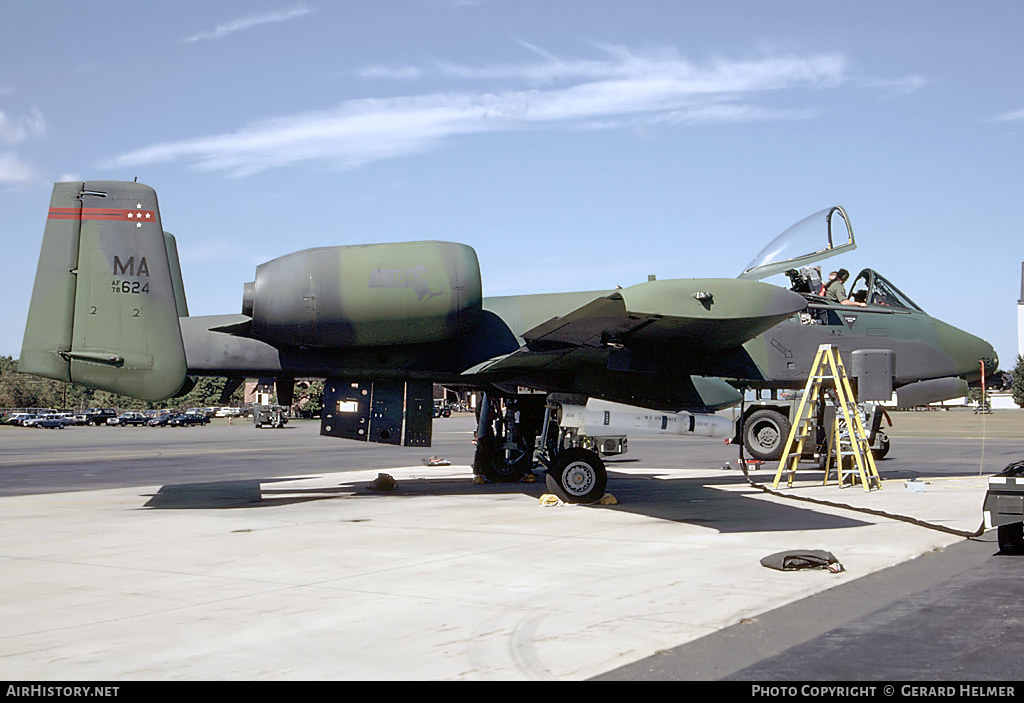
{"type": "Point", "coordinates": [854, 435]}
{"type": "Point", "coordinates": [802, 424]}
{"type": "Point", "coordinates": [828, 366]}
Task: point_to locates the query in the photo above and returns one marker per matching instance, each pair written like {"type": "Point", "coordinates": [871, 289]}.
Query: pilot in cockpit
{"type": "Point", "coordinates": [835, 291]}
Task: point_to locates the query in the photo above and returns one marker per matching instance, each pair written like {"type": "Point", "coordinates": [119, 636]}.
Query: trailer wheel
{"type": "Point", "coordinates": [765, 433]}
{"type": "Point", "coordinates": [882, 449]}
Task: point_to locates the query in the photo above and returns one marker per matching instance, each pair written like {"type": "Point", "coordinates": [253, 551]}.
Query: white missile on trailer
{"type": "Point", "coordinates": [623, 420]}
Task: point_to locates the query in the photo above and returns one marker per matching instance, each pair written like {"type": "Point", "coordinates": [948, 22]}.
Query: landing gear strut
{"type": "Point", "coordinates": [505, 438]}
{"type": "Point", "coordinates": [507, 447]}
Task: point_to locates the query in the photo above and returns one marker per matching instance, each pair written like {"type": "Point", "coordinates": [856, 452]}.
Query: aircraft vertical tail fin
{"type": "Point", "coordinates": [108, 294]}
{"type": "Point", "coordinates": [178, 285]}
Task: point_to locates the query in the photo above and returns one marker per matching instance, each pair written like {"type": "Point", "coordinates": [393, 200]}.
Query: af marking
{"type": "Point", "coordinates": [128, 268]}
{"type": "Point", "coordinates": [121, 286]}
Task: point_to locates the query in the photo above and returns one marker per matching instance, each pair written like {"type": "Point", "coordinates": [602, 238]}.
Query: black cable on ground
{"type": "Point", "coordinates": [869, 511]}
{"type": "Point", "coordinates": [879, 513]}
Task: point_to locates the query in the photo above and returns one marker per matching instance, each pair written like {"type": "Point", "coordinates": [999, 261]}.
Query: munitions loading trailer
{"type": "Point", "coordinates": [269, 416]}
{"type": "Point", "coordinates": [766, 423]}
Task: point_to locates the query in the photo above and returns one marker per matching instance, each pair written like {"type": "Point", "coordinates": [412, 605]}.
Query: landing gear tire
{"type": "Point", "coordinates": [502, 464]}
{"type": "Point", "coordinates": [577, 476]}
{"type": "Point", "coordinates": [765, 433]}
{"type": "Point", "coordinates": [1011, 538]}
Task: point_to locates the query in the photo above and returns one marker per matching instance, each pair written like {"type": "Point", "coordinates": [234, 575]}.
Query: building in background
{"type": "Point", "coordinates": [1020, 314]}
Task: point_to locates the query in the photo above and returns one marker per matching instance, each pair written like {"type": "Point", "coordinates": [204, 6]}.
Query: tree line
{"type": "Point", "coordinates": [18, 390]}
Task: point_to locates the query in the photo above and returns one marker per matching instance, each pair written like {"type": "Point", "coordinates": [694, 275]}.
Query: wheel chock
{"type": "Point", "coordinates": [549, 499]}
{"type": "Point", "coordinates": [383, 482]}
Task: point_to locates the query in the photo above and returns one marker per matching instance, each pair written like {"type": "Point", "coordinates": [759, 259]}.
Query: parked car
{"type": "Point", "coordinates": [99, 416]}
{"type": "Point", "coordinates": [75, 418]}
{"type": "Point", "coordinates": [160, 420]}
{"type": "Point", "coordinates": [129, 418]}
{"type": "Point", "coordinates": [51, 421]}
{"type": "Point", "coordinates": [188, 420]}
{"type": "Point", "coordinates": [18, 418]}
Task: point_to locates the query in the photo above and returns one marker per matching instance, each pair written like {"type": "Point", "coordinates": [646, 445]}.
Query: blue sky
{"type": "Point", "coordinates": [577, 145]}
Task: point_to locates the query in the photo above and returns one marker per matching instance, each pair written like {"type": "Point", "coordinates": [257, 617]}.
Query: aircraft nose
{"type": "Point", "coordinates": [991, 359]}
{"type": "Point", "coordinates": [967, 352]}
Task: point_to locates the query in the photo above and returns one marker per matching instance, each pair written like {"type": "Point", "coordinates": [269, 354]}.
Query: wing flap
{"type": "Point", "coordinates": [591, 325]}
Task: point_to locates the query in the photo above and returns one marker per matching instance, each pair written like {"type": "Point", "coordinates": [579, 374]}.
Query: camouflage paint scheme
{"type": "Point", "coordinates": [108, 311]}
{"type": "Point", "coordinates": [924, 348]}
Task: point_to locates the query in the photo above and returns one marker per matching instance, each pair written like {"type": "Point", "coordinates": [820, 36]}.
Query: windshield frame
{"type": "Point", "coordinates": [881, 293]}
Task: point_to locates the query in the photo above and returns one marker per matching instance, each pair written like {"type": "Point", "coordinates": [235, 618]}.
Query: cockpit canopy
{"type": "Point", "coordinates": [820, 236]}
{"type": "Point", "coordinates": [812, 239]}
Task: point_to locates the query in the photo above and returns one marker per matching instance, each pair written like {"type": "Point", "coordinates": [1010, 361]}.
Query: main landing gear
{"type": "Point", "coordinates": [507, 446]}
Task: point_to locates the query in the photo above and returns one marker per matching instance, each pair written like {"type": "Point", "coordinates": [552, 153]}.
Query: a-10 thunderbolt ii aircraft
{"type": "Point", "coordinates": [382, 323]}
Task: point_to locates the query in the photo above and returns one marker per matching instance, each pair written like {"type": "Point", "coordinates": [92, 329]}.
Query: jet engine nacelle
{"type": "Point", "coordinates": [357, 296]}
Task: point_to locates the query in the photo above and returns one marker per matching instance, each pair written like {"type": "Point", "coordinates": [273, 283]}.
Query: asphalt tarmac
{"type": "Point", "coordinates": [122, 559]}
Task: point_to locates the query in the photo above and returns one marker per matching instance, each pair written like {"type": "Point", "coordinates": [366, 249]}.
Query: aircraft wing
{"type": "Point", "coordinates": [704, 315]}
{"type": "Point", "coordinates": [647, 340]}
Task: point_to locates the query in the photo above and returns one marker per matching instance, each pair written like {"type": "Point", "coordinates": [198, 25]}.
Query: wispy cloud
{"type": "Point", "coordinates": [624, 64]}
{"type": "Point", "coordinates": [899, 86]}
{"type": "Point", "coordinates": [623, 89]}
{"type": "Point", "coordinates": [1014, 116]}
{"type": "Point", "coordinates": [250, 21]}
{"type": "Point", "coordinates": [14, 130]}
{"type": "Point", "coordinates": [403, 72]}
{"type": "Point", "coordinates": [15, 171]}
